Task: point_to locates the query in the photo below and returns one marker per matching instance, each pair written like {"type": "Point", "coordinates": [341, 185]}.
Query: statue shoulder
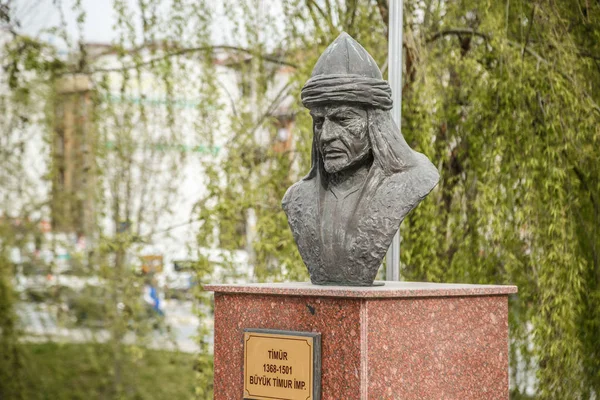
{"type": "Point", "coordinates": [401, 192]}
{"type": "Point", "coordinates": [426, 175]}
{"type": "Point", "coordinates": [296, 195]}
{"type": "Point", "coordinates": [417, 181]}
{"type": "Point", "coordinates": [301, 208]}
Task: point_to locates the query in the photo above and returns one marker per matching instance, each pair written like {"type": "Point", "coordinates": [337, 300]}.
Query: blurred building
{"type": "Point", "coordinates": [76, 143]}
{"type": "Point", "coordinates": [73, 164]}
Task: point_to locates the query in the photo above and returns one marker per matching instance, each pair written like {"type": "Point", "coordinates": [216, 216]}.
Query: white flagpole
{"type": "Point", "coordinates": [395, 79]}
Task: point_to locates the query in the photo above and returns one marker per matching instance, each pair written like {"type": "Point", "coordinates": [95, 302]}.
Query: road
{"type": "Point", "coordinates": [40, 325]}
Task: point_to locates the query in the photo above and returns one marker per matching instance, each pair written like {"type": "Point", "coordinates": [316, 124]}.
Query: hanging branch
{"type": "Point", "coordinates": [457, 32]}
{"type": "Point", "coordinates": [529, 30]}
{"type": "Point", "coordinates": [151, 61]}
{"type": "Point", "coordinates": [313, 4]}
{"type": "Point", "coordinates": [525, 49]}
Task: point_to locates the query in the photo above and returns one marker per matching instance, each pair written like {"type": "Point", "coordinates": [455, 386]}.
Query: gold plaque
{"type": "Point", "coordinates": [282, 365]}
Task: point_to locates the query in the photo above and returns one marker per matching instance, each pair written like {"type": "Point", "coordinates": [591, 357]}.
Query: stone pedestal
{"type": "Point", "coordinates": [403, 340]}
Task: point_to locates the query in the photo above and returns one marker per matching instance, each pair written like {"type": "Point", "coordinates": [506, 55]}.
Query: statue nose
{"type": "Point", "coordinates": [330, 131]}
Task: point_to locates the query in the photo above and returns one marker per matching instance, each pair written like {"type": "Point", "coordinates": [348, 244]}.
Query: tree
{"type": "Point", "coordinates": [20, 187]}
{"type": "Point", "coordinates": [108, 166]}
{"type": "Point", "coordinates": [501, 96]}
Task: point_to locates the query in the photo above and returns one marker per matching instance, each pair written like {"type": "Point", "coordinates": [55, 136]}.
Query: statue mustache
{"type": "Point", "coordinates": [333, 148]}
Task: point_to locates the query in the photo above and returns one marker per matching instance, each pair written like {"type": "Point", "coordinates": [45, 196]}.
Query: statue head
{"type": "Point", "coordinates": [349, 102]}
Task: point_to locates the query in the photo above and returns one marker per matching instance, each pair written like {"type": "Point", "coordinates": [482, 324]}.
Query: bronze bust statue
{"type": "Point", "coordinates": [364, 177]}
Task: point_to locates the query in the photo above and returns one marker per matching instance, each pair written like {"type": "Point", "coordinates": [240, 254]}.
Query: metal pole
{"type": "Point", "coordinates": [395, 79]}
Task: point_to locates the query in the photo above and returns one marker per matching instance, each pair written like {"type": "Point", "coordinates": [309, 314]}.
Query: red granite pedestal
{"type": "Point", "coordinates": [403, 340]}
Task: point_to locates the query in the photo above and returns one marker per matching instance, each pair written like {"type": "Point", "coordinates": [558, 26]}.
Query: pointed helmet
{"type": "Point", "coordinates": [346, 74]}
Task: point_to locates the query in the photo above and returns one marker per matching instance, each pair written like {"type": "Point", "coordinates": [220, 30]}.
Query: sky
{"type": "Point", "coordinates": [36, 17]}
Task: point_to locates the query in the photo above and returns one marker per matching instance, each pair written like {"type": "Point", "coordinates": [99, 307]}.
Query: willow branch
{"type": "Point", "coordinates": [531, 19]}
{"type": "Point", "coordinates": [384, 11]}
{"type": "Point", "coordinates": [567, 77]}
{"type": "Point", "coordinates": [589, 55]}
{"type": "Point", "coordinates": [524, 49]}
{"type": "Point", "coordinates": [457, 32]}
{"type": "Point", "coordinates": [267, 113]}
{"type": "Point", "coordinates": [586, 186]}
{"type": "Point", "coordinates": [181, 52]}
{"type": "Point", "coordinates": [311, 4]}
{"type": "Point", "coordinates": [353, 5]}
{"type": "Point", "coordinates": [469, 31]}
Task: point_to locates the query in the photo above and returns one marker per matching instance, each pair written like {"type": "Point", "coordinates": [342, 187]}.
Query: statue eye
{"type": "Point", "coordinates": [342, 119]}
{"type": "Point", "coordinates": [318, 122]}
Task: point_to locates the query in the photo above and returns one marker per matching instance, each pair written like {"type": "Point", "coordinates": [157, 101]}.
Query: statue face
{"type": "Point", "coordinates": [342, 136]}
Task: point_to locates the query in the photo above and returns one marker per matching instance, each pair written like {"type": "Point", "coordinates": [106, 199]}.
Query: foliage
{"type": "Point", "coordinates": [18, 196]}
{"type": "Point", "coordinates": [10, 352]}
{"type": "Point", "coordinates": [122, 189]}
{"type": "Point", "coordinates": [50, 367]}
{"type": "Point", "coordinates": [502, 96]}
{"type": "Point", "coordinates": [514, 126]}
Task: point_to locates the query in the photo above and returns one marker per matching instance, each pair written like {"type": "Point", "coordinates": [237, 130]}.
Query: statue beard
{"type": "Point", "coordinates": [344, 163]}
